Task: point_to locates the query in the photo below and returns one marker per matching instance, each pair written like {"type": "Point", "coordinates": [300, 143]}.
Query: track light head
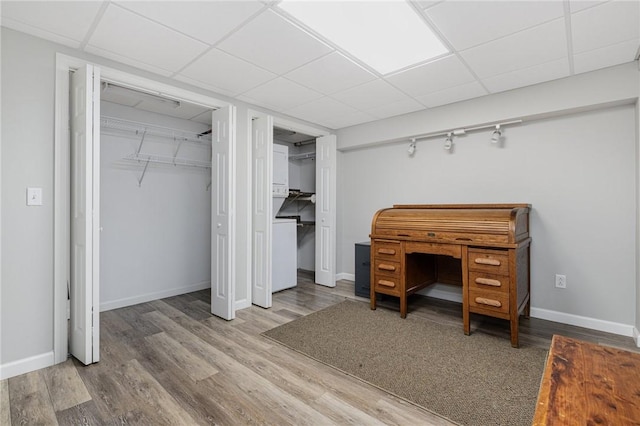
{"type": "Point", "coordinates": [495, 136]}
{"type": "Point", "coordinates": [412, 148]}
{"type": "Point", "coordinates": [448, 143]}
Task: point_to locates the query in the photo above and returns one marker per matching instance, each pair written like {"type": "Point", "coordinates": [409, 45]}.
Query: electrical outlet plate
{"type": "Point", "coordinates": [561, 281]}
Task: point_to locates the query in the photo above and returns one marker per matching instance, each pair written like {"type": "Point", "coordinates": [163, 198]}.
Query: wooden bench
{"type": "Point", "coordinates": [589, 384]}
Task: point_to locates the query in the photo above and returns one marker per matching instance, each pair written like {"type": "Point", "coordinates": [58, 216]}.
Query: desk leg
{"type": "Point", "coordinates": [514, 331]}
{"type": "Point", "coordinates": [373, 300]}
{"type": "Point", "coordinates": [465, 291]}
{"type": "Point", "coordinates": [403, 305]}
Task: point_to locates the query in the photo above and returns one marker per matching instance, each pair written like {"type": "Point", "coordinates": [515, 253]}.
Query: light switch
{"type": "Point", "coordinates": [34, 196]}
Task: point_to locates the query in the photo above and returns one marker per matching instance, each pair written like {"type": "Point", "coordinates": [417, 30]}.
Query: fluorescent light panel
{"type": "Point", "coordinates": [386, 35]}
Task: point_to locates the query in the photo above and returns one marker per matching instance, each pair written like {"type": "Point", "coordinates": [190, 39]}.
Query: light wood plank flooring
{"type": "Point", "coordinates": [171, 362]}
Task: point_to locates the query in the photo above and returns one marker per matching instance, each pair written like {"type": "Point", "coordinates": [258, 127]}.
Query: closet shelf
{"type": "Point", "coordinates": [138, 129]}
{"type": "Point", "coordinates": [173, 161]}
{"type": "Point", "coordinates": [302, 156]}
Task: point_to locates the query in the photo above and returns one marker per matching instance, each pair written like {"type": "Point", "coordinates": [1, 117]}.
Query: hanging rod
{"type": "Point", "coordinates": [302, 156]}
{"type": "Point", "coordinates": [139, 128]}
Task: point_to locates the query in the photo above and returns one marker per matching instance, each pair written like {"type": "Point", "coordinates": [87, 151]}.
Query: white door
{"type": "Point", "coordinates": [222, 213]}
{"type": "Point", "coordinates": [326, 210]}
{"type": "Point", "coordinates": [262, 205]}
{"type": "Point", "coordinates": [85, 214]}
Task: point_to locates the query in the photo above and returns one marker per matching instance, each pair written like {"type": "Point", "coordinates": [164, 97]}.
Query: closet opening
{"type": "Point", "coordinates": [155, 196]}
{"type": "Point", "coordinates": [294, 199]}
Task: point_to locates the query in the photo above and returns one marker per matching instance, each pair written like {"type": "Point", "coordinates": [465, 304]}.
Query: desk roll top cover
{"type": "Point", "coordinates": [483, 247]}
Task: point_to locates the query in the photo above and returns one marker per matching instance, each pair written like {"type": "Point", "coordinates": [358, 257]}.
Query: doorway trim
{"type": "Point", "coordinates": [61, 176]}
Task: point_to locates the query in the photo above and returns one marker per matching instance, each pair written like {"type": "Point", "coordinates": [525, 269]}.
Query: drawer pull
{"type": "Point", "coordinates": [490, 302]}
{"type": "Point", "coordinates": [387, 251]}
{"type": "Point", "coordinates": [386, 267]}
{"type": "Point", "coordinates": [485, 261]}
{"type": "Point", "coordinates": [386, 283]}
{"type": "Point", "coordinates": [488, 281]}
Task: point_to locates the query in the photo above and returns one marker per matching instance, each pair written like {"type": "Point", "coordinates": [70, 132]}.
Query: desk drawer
{"type": "Point", "coordinates": [489, 300]}
{"type": "Point", "coordinates": [386, 283]}
{"type": "Point", "coordinates": [488, 282]}
{"type": "Point", "coordinates": [386, 250]}
{"type": "Point", "coordinates": [386, 266]}
{"type": "Point", "coordinates": [491, 261]}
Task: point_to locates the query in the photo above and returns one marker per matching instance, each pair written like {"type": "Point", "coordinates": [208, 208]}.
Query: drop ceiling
{"type": "Point", "coordinates": [255, 52]}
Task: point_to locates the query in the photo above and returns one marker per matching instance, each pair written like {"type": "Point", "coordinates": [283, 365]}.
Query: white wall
{"type": "Point", "coordinates": [156, 238]}
{"type": "Point", "coordinates": [577, 171]}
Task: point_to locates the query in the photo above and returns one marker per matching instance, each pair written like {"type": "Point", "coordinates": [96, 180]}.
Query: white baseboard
{"type": "Point", "coordinates": [438, 291]}
{"type": "Point", "coordinates": [242, 304]}
{"type": "Point", "coordinates": [142, 298]}
{"type": "Point", "coordinates": [22, 366]}
{"type": "Point", "coordinates": [345, 276]}
{"type": "Point", "coordinates": [636, 336]}
{"type": "Point", "coordinates": [586, 322]}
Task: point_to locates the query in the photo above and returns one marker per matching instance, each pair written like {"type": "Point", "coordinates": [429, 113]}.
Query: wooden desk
{"type": "Point", "coordinates": [482, 247]}
{"type": "Point", "coordinates": [588, 384]}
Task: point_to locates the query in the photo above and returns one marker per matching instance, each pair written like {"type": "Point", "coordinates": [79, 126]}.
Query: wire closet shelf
{"type": "Point", "coordinates": [119, 127]}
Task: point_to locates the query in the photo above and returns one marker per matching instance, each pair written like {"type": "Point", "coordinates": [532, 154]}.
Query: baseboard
{"type": "Point", "coordinates": [586, 322]}
{"type": "Point", "coordinates": [636, 336]}
{"type": "Point", "coordinates": [345, 276]}
{"type": "Point", "coordinates": [148, 297]}
{"type": "Point", "coordinates": [22, 366]}
{"type": "Point", "coordinates": [437, 291]}
{"type": "Point", "coordinates": [242, 304]}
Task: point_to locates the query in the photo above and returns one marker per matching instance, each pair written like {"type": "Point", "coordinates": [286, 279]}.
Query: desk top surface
{"type": "Point", "coordinates": [585, 383]}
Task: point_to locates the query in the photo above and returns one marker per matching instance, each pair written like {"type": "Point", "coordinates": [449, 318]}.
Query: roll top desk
{"type": "Point", "coordinates": [482, 247]}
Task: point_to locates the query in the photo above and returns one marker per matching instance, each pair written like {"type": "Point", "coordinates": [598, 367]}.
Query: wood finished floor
{"type": "Point", "coordinates": [171, 362]}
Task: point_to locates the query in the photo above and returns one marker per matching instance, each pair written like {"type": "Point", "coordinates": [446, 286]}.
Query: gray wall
{"type": "Point", "coordinates": [578, 172]}
{"type": "Point", "coordinates": [156, 237]}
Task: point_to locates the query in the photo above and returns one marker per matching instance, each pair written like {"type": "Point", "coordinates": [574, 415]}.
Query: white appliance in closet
{"type": "Point", "coordinates": [284, 245]}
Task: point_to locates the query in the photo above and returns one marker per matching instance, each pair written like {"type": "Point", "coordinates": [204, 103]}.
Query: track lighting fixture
{"type": "Point", "coordinates": [495, 136]}
{"type": "Point", "coordinates": [448, 143]}
{"type": "Point", "coordinates": [412, 148]}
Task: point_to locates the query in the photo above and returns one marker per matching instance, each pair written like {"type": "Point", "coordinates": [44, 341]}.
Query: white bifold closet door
{"type": "Point", "coordinates": [222, 213]}
{"type": "Point", "coordinates": [262, 205]}
{"type": "Point", "coordinates": [326, 210]}
{"type": "Point", "coordinates": [85, 214]}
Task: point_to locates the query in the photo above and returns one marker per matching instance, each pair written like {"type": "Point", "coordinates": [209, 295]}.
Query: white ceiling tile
{"type": "Point", "coordinates": [424, 4]}
{"type": "Point", "coordinates": [273, 43]}
{"type": "Point", "coordinates": [538, 45]}
{"type": "Point", "coordinates": [130, 36]}
{"type": "Point", "coordinates": [198, 83]}
{"type": "Point", "coordinates": [604, 25]}
{"type": "Point", "coordinates": [221, 70]}
{"type": "Point", "coordinates": [470, 23]}
{"type": "Point", "coordinates": [453, 94]}
{"type": "Point", "coordinates": [321, 110]}
{"type": "Point", "coordinates": [348, 120]}
{"type": "Point", "coordinates": [578, 5]}
{"type": "Point", "coordinates": [404, 106]}
{"type": "Point", "coordinates": [432, 77]}
{"type": "Point", "coordinates": [330, 74]}
{"type": "Point", "coordinates": [207, 21]}
{"type": "Point", "coordinates": [280, 94]}
{"type": "Point", "coordinates": [606, 56]}
{"type": "Point", "coordinates": [528, 76]}
{"type": "Point", "coordinates": [370, 95]}
{"type": "Point", "coordinates": [127, 60]}
{"type": "Point", "coordinates": [65, 22]}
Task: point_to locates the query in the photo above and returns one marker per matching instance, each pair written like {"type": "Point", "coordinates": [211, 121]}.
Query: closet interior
{"type": "Point", "coordinates": [155, 194]}
{"type": "Point", "coordinates": [294, 197]}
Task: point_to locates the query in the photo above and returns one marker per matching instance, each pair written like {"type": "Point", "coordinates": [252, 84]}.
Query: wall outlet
{"type": "Point", "coordinates": [561, 281]}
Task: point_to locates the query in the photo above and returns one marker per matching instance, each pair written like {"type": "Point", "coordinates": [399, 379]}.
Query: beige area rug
{"type": "Point", "coordinates": [472, 380]}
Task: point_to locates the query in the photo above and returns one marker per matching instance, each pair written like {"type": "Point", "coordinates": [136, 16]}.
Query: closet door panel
{"type": "Point", "coordinates": [222, 206]}
{"type": "Point", "coordinates": [326, 210]}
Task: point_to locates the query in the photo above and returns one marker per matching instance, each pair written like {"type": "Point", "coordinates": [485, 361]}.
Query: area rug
{"type": "Point", "coordinates": [472, 380]}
